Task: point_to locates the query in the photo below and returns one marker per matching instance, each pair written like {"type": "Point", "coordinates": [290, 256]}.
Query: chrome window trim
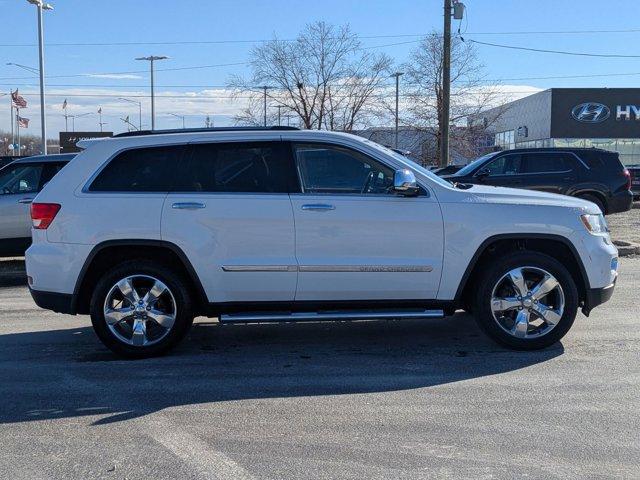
{"type": "Point", "coordinates": [329, 268]}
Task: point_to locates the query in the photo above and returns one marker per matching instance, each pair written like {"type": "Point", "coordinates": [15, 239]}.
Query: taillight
{"type": "Point", "coordinates": [42, 214]}
{"type": "Point", "coordinates": [627, 174]}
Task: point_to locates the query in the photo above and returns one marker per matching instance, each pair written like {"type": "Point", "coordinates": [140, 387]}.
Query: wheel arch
{"type": "Point", "coordinates": [109, 253]}
{"type": "Point", "coordinates": [556, 246]}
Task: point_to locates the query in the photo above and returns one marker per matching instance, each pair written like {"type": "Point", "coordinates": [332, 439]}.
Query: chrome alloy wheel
{"type": "Point", "coordinates": [140, 310]}
{"type": "Point", "coordinates": [527, 302]}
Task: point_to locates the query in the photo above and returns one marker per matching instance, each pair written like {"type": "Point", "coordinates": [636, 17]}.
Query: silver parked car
{"type": "Point", "coordinates": [20, 182]}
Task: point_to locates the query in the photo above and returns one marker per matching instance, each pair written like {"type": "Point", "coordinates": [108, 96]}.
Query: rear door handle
{"type": "Point", "coordinates": [188, 205]}
{"type": "Point", "coordinates": [318, 207]}
{"type": "Point", "coordinates": [25, 200]}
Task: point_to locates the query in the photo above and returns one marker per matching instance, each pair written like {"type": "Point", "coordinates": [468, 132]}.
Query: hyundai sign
{"type": "Point", "coordinates": [595, 113]}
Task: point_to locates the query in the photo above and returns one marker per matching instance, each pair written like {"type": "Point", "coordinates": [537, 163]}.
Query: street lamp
{"type": "Point", "coordinates": [139, 110]}
{"type": "Point", "coordinates": [73, 120]}
{"type": "Point", "coordinates": [41, 6]}
{"type": "Point", "coordinates": [397, 75]}
{"type": "Point", "coordinates": [24, 67]}
{"type": "Point", "coordinates": [151, 59]}
{"type": "Point", "coordinates": [179, 116]}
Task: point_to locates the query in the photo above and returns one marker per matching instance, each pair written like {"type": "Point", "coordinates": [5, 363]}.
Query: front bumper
{"type": "Point", "coordinates": [58, 302]}
{"type": "Point", "coordinates": [597, 296]}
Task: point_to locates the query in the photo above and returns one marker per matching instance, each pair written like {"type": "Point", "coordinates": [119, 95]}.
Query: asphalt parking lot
{"type": "Point", "coordinates": [410, 399]}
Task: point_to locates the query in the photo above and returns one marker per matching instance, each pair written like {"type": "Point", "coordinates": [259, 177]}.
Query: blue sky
{"type": "Point", "coordinates": [87, 21]}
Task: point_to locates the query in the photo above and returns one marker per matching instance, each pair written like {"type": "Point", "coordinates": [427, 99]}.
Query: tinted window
{"type": "Point", "coordinates": [20, 178]}
{"type": "Point", "coordinates": [236, 167]}
{"type": "Point", "coordinates": [140, 170]}
{"type": "Point", "coordinates": [332, 169]}
{"type": "Point", "coordinates": [50, 170]}
{"type": "Point", "coordinates": [505, 165]}
{"type": "Point", "coordinates": [545, 162]}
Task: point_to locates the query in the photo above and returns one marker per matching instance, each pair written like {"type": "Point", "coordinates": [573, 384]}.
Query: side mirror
{"type": "Point", "coordinates": [483, 173]}
{"type": "Point", "coordinates": [404, 183]}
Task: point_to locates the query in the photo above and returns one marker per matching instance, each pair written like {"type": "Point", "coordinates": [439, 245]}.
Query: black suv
{"type": "Point", "coordinates": [589, 173]}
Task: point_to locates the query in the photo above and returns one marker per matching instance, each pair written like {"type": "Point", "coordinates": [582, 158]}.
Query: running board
{"type": "Point", "coordinates": [331, 315]}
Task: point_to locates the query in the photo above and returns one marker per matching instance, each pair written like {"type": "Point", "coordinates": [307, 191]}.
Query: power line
{"type": "Point", "coordinates": [559, 52]}
{"type": "Point", "coordinates": [363, 37]}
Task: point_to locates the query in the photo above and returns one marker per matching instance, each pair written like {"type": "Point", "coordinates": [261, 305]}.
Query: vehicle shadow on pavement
{"type": "Point", "coordinates": [67, 373]}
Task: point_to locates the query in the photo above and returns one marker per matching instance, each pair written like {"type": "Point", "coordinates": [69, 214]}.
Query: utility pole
{"type": "Point", "coordinates": [151, 59]}
{"type": "Point", "coordinates": [397, 75]}
{"type": "Point", "coordinates": [446, 86]}
{"type": "Point", "coordinates": [457, 12]}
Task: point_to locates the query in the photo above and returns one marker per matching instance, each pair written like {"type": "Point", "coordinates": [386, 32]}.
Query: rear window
{"type": "Point", "coordinates": [140, 170]}
{"type": "Point", "coordinates": [601, 160]}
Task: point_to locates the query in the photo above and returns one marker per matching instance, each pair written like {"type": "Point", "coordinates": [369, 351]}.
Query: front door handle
{"type": "Point", "coordinates": [318, 207]}
{"type": "Point", "coordinates": [25, 200]}
{"type": "Point", "coordinates": [188, 205]}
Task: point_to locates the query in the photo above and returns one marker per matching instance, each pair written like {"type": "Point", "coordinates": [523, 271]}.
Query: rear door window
{"type": "Point", "coordinates": [140, 170]}
{"type": "Point", "coordinates": [547, 163]}
{"type": "Point", "coordinates": [239, 167]}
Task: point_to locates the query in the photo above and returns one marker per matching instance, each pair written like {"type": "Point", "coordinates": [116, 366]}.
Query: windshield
{"type": "Point", "coordinates": [471, 166]}
{"type": "Point", "coordinates": [409, 162]}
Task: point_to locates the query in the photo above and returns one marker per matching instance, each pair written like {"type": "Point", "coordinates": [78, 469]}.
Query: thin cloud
{"type": "Point", "coordinates": [114, 76]}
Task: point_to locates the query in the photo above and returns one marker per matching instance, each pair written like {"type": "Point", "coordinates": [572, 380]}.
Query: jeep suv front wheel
{"type": "Point", "coordinates": [526, 301]}
{"type": "Point", "coordinates": [141, 309]}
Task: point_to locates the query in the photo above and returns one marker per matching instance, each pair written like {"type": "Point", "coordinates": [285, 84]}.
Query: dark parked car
{"type": "Point", "coordinates": [634, 171]}
{"type": "Point", "coordinates": [20, 182]}
{"type": "Point", "coordinates": [589, 173]}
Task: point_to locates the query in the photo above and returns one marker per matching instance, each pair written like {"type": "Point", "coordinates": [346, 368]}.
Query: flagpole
{"type": "Point", "coordinates": [18, 129]}
{"type": "Point", "coordinates": [66, 118]}
{"type": "Point", "coordinates": [13, 138]}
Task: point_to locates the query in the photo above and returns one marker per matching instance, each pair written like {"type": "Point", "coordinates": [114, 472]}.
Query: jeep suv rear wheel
{"type": "Point", "coordinates": [526, 301]}
{"type": "Point", "coordinates": [140, 309]}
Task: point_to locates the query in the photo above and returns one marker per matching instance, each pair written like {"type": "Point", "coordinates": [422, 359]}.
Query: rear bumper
{"type": "Point", "coordinates": [597, 296]}
{"type": "Point", "coordinates": [58, 302]}
{"type": "Point", "coordinates": [620, 202]}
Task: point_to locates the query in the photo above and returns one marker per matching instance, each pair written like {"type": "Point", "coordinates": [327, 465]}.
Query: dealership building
{"type": "Point", "coordinates": [607, 118]}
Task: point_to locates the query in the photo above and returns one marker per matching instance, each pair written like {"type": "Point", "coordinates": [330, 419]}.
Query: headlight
{"type": "Point", "coordinates": [595, 223]}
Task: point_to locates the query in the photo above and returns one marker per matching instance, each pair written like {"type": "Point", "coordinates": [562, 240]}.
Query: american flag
{"type": "Point", "coordinates": [23, 122]}
{"type": "Point", "coordinates": [18, 101]}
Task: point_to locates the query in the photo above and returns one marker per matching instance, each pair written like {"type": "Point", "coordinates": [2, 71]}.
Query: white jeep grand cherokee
{"type": "Point", "coordinates": [145, 231]}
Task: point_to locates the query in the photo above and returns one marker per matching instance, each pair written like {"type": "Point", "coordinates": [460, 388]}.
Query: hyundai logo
{"type": "Point", "coordinates": [590, 112]}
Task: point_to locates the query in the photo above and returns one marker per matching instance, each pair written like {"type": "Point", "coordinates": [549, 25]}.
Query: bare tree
{"type": "Point", "coordinates": [324, 78]}
{"type": "Point", "coordinates": [469, 94]}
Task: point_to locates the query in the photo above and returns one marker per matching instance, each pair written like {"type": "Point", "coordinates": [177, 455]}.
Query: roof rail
{"type": "Point", "coordinates": [202, 130]}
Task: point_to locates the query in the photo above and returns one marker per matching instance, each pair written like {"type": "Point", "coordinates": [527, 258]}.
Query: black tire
{"type": "Point", "coordinates": [178, 289]}
{"type": "Point", "coordinates": [594, 199]}
{"type": "Point", "coordinates": [490, 278]}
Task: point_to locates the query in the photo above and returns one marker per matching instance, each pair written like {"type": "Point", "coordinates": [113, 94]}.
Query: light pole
{"type": "Point", "coordinates": [279, 107]}
{"type": "Point", "coordinates": [179, 116]}
{"type": "Point", "coordinates": [139, 110]}
{"type": "Point", "coordinates": [151, 59]}
{"type": "Point", "coordinates": [73, 120]}
{"type": "Point", "coordinates": [397, 75]}
{"type": "Point", "coordinates": [41, 6]}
